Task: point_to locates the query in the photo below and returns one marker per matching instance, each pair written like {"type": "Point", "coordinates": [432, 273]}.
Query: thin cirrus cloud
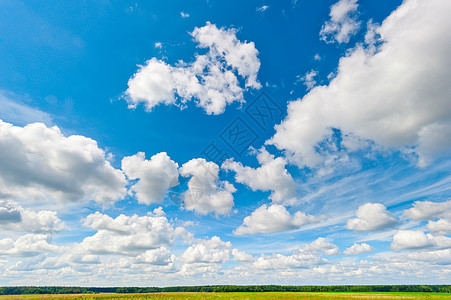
{"type": "Point", "coordinates": [17, 112]}
{"type": "Point", "coordinates": [211, 79]}
{"type": "Point", "coordinates": [375, 101]}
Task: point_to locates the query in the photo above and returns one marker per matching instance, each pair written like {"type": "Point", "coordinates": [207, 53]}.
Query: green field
{"type": "Point", "coordinates": [256, 296]}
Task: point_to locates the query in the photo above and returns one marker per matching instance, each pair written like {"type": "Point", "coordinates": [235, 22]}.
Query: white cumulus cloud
{"type": "Point", "coordinates": [211, 79]}
{"type": "Point", "coordinates": [426, 210]}
{"type": "Point", "coordinates": [40, 163]}
{"type": "Point", "coordinates": [28, 245]}
{"type": "Point", "coordinates": [213, 250]}
{"type": "Point", "coordinates": [270, 176]}
{"type": "Point", "coordinates": [322, 244]}
{"type": "Point", "coordinates": [206, 193]}
{"type": "Point", "coordinates": [273, 218]}
{"type": "Point", "coordinates": [129, 235]}
{"type": "Point", "coordinates": [415, 239]}
{"type": "Point", "coordinates": [438, 214]}
{"type": "Point", "coordinates": [16, 218]}
{"type": "Point", "coordinates": [357, 249]}
{"type": "Point", "coordinates": [372, 97]}
{"type": "Point", "coordinates": [371, 217]}
{"type": "Point", "coordinates": [155, 176]}
{"type": "Point", "coordinates": [342, 24]}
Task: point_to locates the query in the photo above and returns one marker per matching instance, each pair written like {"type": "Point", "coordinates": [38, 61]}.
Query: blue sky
{"type": "Point", "coordinates": [207, 142]}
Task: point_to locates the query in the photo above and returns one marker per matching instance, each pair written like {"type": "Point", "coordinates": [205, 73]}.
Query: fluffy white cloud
{"type": "Point", "coordinates": [342, 24]}
{"type": "Point", "coordinates": [321, 244]}
{"type": "Point", "coordinates": [270, 176]}
{"type": "Point", "coordinates": [129, 235]}
{"type": "Point", "coordinates": [298, 259]}
{"type": "Point", "coordinates": [155, 176]}
{"type": "Point", "coordinates": [15, 217]}
{"type": "Point", "coordinates": [39, 163]}
{"type": "Point", "coordinates": [414, 239]}
{"type": "Point", "coordinates": [373, 98]}
{"type": "Point", "coordinates": [274, 218]}
{"type": "Point", "coordinates": [358, 249]}
{"type": "Point", "coordinates": [241, 256]}
{"type": "Point", "coordinates": [160, 257]}
{"type": "Point", "coordinates": [408, 239]}
{"type": "Point", "coordinates": [210, 79]}
{"type": "Point", "coordinates": [242, 57]}
{"type": "Point", "coordinates": [206, 194]}
{"type": "Point", "coordinates": [213, 250]}
{"type": "Point", "coordinates": [370, 217]}
{"type": "Point", "coordinates": [441, 257]}
{"type": "Point", "coordinates": [442, 226]}
{"type": "Point", "coordinates": [28, 245]}
{"type": "Point", "coordinates": [426, 210]}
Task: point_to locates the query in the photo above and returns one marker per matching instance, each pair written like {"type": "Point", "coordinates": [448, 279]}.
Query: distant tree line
{"type": "Point", "coordinates": [18, 290]}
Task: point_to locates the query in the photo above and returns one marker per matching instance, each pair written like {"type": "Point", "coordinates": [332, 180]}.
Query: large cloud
{"type": "Point", "coordinates": [274, 218]}
{"type": "Point", "coordinates": [370, 217]}
{"type": "Point", "coordinates": [270, 176]}
{"type": "Point", "coordinates": [210, 79]}
{"type": "Point", "coordinates": [397, 93]}
{"type": "Point", "coordinates": [38, 162]}
{"type": "Point", "coordinates": [206, 194]}
{"type": "Point", "coordinates": [154, 176]}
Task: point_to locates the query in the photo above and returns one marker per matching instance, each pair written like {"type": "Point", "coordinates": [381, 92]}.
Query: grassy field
{"type": "Point", "coordinates": [250, 296]}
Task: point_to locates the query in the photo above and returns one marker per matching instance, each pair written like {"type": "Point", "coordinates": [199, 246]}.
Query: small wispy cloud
{"type": "Point", "coordinates": [14, 110]}
{"type": "Point", "coordinates": [158, 45]}
{"type": "Point", "coordinates": [262, 8]}
{"type": "Point", "coordinates": [309, 79]}
{"type": "Point", "coordinates": [184, 14]}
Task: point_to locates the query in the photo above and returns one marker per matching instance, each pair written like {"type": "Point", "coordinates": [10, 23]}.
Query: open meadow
{"type": "Point", "coordinates": [250, 296]}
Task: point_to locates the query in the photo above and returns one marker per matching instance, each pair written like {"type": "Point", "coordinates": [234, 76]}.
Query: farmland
{"type": "Point", "coordinates": [238, 295]}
